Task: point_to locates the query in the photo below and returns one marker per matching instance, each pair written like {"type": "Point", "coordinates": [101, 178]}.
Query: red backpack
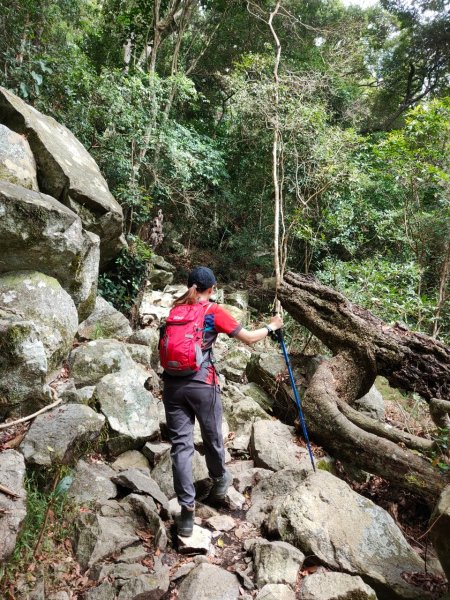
{"type": "Point", "coordinates": [180, 346]}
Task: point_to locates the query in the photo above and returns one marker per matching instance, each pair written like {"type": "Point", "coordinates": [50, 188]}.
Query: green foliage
{"type": "Point", "coordinates": [38, 502]}
{"type": "Point", "coordinates": [440, 455]}
{"type": "Point", "coordinates": [388, 289]}
{"type": "Point", "coordinates": [193, 136]}
{"type": "Point", "coordinates": [120, 285]}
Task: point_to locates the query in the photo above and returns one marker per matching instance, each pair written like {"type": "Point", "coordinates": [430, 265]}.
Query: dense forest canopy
{"type": "Point", "coordinates": [175, 100]}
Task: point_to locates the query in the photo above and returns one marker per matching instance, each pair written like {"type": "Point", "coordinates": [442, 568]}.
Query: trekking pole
{"type": "Point", "coordinates": [280, 338]}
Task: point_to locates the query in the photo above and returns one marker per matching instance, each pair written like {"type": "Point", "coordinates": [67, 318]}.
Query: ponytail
{"type": "Point", "coordinates": [189, 297]}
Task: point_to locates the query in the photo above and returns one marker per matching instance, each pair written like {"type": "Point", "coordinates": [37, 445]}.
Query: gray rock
{"type": "Point", "coordinates": [97, 536]}
{"type": "Point", "coordinates": [146, 337]}
{"type": "Point", "coordinates": [143, 356]}
{"type": "Point", "coordinates": [130, 459]}
{"type": "Point", "coordinates": [92, 361]}
{"type": "Point", "coordinates": [238, 298]}
{"type": "Point", "coordinates": [270, 490]}
{"type": "Point", "coordinates": [248, 479]}
{"type": "Point", "coordinates": [276, 562]}
{"type": "Point", "coordinates": [159, 262]}
{"type": "Point", "coordinates": [104, 591]}
{"type": "Point", "coordinates": [151, 586]}
{"type": "Point", "coordinates": [66, 390]}
{"type": "Point", "coordinates": [276, 591]}
{"type": "Point", "coordinates": [40, 299]}
{"type": "Point", "coordinates": [12, 510]}
{"type": "Point", "coordinates": [17, 164]}
{"type": "Point", "coordinates": [324, 517]}
{"type": "Point", "coordinates": [23, 367]}
{"type": "Point", "coordinates": [198, 542]}
{"type": "Point", "coordinates": [131, 410]}
{"type": "Point", "coordinates": [335, 586]}
{"type": "Point", "coordinates": [159, 279]}
{"type": "Point", "coordinates": [117, 571]}
{"type": "Point", "coordinates": [144, 506]}
{"type": "Point", "coordinates": [59, 596]}
{"type": "Point", "coordinates": [240, 315]}
{"type": "Point", "coordinates": [104, 322]}
{"type": "Point", "coordinates": [372, 404]}
{"type": "Point", "coordinates": [137, 481]}
{"type": "Point", "coordinates": [92, 482]}
{"type": "Point", "coordinates": [154, 451]}
{"type": "Point", "coordinates": [67, 172]}
{"type": "Point", "coordinates": [234, 499]}
{"type": "Point", "coordinates": [234, 363]}
{"type": "Point", "coordinates": [240, 412]}
{"type": "Point", "coordinates": [57, 436]}
{"type": "Point", "coordinates": [240, 466]}
{"type": "Point", "coordinates": [85, 394]}
{"type": "Point", "coordinates": [272, 445]}
{"type": "Point", "coordinates": [38, 233]}
{"type": "Point", "coordinates": [183, 571]}
{"type": "Point", "coordinates": [132, 554]}
{"type": "Point", "coordinates": [221, 522]}
{"type": "Point", "coordinates": [440, 520]}
{"type": "Point", "coordinates": [209, 582]}
{"type": "Point", "coordinates": [257, 394]}
{"type": "Point", "coordinates": [162, 474]}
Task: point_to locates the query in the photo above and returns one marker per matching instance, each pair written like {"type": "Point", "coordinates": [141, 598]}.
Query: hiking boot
{"type": "Point", "coordinates": [186, 521]}
{"type": "Point", "coordinates": [220, 487]}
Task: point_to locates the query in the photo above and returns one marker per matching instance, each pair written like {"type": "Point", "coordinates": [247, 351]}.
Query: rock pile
{"type": "Point", "coordinates": [274, 491]}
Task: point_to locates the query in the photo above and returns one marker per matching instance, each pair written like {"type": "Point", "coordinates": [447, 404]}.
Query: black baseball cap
{"type": "Point", "coordinates": [203, 277]}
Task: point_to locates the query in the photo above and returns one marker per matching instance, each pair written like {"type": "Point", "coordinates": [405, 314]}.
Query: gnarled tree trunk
{"type": "Point", "coordinates": [364, 347]}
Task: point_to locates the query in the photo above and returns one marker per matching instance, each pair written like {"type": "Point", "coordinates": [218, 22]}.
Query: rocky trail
{"type": "Point", "coordinates": [283, 533]}
{"type": "Point", "coordinates": [87, 507]}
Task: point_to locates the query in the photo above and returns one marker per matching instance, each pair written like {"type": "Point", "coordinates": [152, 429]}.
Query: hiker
{"type": "Point", "coordinates": [191, 386]}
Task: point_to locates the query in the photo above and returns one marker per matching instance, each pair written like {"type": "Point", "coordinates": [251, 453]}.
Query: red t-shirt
{"type": "Point", "coordinates": [217, 320]}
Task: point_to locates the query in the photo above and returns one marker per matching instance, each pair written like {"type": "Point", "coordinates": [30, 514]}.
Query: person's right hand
{"type": "Point", "coordinates": [276, 322]}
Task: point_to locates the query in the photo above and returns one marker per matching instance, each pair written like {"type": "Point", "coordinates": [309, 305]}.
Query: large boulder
{"type": "Point", "coordinates": [440, 530]}
{"type": "Point", "coordinates": [104, 322]}
{"type": "Point", "coordinates": [335, 586]}
{"type": "Point", "coordinates": [42, 300]}
{"type": "Point", "coordinates": [37, 322]}
{"type": "Point", "coordinates": [268, 493]}
{"type": "Point", "coordinates": [131, 411]}
{"type": "Point", "coordinates": [372, 404]}
{"type": "Point", "coordinates": [209, 582]}
{"type": "Point", "coordinates": [38, 233]}
{"type": "Point", "coordinates": [12, 509]}
{"type": "Point", "coordinates": [234, 362]}
{"type": "Point", "coordinates": [23, 366]}
{"type": "Point", "coordinates": [272, 446]}
{"type": "Point", "coordinates": [276, 562]}
{"type": "Point", "coordinates": [17, 164]}
{"type": "Point", "coordinates": [92, 361]}
{"type": "Point", "coordinates": [67, 172]}
{"type": "Point", "coordinates": [98, 536]}
{"type": "Point", "coordinates": [240, 412]}
{"type": "Point", "coordinates": [325, 518]}
{"type": "Point", "coordinates": [58, 436]}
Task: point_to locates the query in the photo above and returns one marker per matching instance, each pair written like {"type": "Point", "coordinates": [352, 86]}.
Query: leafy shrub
{"type": "Point", "coordinates": [121, 283]}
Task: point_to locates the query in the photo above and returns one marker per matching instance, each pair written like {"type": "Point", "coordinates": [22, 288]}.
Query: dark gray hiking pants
{"type": "Point", "coordinates": [183, 401]}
